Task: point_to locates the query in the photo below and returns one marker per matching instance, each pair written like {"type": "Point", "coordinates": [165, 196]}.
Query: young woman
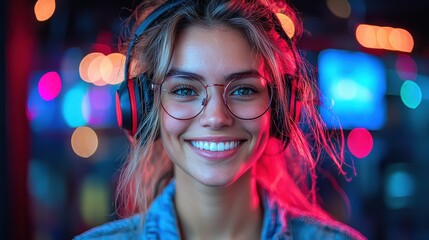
{"type": "Point", "coordinates": [218, 151]}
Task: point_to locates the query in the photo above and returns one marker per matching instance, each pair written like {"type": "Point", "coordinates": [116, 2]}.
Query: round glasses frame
{"type": "Point", "coordinates": [269, 89]}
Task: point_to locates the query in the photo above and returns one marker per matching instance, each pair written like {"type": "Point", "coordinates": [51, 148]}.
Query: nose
{"type": "Point", "coordinates": [215, 114]}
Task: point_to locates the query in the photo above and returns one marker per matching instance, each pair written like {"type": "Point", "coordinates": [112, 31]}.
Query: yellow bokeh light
{"type": "Point", "coordinates": [84, 141]}
{"type": "Point", "coordinates": [340, 8]}
{"type": "Point", "coordinates": [94, 74]}
{"type": "Point", "coordinates": [44, 9]}
{"type": "Point", "coordinates": [84, 65]}
{"type": "Point", "coordinates": [287, 24]}
{"type": "Point", "coordinates": [112, 68]}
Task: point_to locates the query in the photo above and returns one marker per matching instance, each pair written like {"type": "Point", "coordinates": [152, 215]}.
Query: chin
{"type": "Point", "coordinates": [220, 180]}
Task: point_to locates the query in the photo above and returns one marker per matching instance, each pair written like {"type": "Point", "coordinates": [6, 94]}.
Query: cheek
{"type": "Point", "coordinates": [262, 127]}
{"type": "Point", "coordinates": [171, 128]}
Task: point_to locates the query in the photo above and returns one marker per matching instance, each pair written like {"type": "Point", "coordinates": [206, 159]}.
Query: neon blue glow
{"type": "Point", "coordinates": [355, 84]}
{"type": "Point", "coordinates": [75, 107]}
{"type": "Point", "coordinates": [400, 184]}
{"type": "Point", "coordinates": [40, 113]}
{"type": "Point", "coordinates": [411, 94]}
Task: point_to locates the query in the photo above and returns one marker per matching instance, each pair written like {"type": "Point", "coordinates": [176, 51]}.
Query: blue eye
{"type": "Point", "coordinates": [183, 91]}
{"type": "Point", "coordinates": [243, 91]}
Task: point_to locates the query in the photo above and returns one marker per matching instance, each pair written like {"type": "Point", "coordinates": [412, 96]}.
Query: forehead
{"type": "Point", "coordinates": [213, 51]}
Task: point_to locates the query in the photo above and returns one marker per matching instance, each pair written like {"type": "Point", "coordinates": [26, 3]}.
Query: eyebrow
{"type": "Point", "coordinates": [230, 77]}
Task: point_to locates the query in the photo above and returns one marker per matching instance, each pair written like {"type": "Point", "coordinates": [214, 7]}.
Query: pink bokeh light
{"type": "Point", "coordinates": [50, 86]}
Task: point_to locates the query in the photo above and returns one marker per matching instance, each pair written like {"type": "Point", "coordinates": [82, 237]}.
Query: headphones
{"type": "Point", "coordinates": [134, 97]}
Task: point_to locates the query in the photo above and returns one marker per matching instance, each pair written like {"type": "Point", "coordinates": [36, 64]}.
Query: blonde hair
{"type": "Point", "coordinates": [288, 168]}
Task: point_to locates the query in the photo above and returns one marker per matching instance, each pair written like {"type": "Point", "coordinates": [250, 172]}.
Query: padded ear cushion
{"type": "Point", "coordinates": [128, 105]}
{"type": "Point", "coordinates": [134, 100]}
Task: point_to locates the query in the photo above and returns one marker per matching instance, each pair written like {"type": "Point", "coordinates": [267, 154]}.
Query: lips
{"type": "Point", "coordinates": [215, 146]}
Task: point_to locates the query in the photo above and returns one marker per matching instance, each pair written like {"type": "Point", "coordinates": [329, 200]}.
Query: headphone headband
{"type": "Point", "coordinates": [154, 16]}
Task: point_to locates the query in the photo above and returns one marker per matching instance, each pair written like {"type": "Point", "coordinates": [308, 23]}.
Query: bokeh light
{"type": "Point", "coordinates": [85, 63]}
{"type": "Point", "coordinates": [360, 142]}
{"type": "Point", "coordinates": [287, 24]}
{"type": "Point", "coordinates": [40, 113]}
{"type": "Point", "coordinates": [49, 85]}
{"type": "Point", "coordinates": [411, 94]}
{"type": "Point", "coordinates": [367, 36]}
{"type": "Point", "coordinates": [74, 106]}
{"type": "Point", "coordinates": [100, 70]}
{"type": "Point", "coordinates": [406, 67]}
{"type": "Point", "coordinates": [44, 9]}
{"type": "Point", "coordinates": [100, 102]}
{"type": "Point", "coordinates": [94, 201]}
{"type": "Point", "coordinates": [340, 8]}
{"type": "Point", "coordinates": [399, 186]}
{"type": "Point", "coordinates": [84, 141]}
{"type": "Point", "coordinates": [393, 39]}
{"type": "Point", "coordinates": [356, 83]}
{"type": "Point", "coordinates": [94, 74]}
{"type": "Point", "coordinates": [112, 68]}
{"type": "Point", "coordinates": [46, 185]}
{"type": "Point", "coordinates": [100, 98]}
{"type": "Point", "coordinates": [382, 37]}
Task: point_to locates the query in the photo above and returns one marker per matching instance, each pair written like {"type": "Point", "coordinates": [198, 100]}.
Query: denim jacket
{"type": "Point", "coordinates": [161, 223]}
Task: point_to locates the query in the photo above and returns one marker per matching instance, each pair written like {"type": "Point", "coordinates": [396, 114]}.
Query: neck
{"type": "Point", "coordinates": [231, 212]}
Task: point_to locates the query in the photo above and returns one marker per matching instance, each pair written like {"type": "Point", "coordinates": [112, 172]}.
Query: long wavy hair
{"type": "Point", "coordinates": [289, 165]}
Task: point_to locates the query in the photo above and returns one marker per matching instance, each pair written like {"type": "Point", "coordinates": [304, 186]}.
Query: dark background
{"type": "Point", "coordinates": [38, 207]}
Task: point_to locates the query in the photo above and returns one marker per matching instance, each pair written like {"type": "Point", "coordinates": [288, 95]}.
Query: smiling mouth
{"type": "Point", "coordinates": [215, 146]}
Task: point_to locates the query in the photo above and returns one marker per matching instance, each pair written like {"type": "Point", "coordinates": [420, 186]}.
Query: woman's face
{"type": "Point", "coordinates": [213, 54]}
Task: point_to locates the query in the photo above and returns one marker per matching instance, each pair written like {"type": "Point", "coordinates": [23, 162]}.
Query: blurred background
{"type": "Point", "coordinates": [61, 148]}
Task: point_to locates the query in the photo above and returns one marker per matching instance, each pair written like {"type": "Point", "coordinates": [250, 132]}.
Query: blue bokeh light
{"type": "Point", "coordinates": [40, 113]}
{"type": "Point", "coordinates": [75, 106]}
{"type": "Point", "coordinates": [355, 84]}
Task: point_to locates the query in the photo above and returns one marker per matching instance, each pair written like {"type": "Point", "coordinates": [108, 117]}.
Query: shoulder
{"type": "Point", "coordinates": [306, 226]}
{"type": "Point", "coordinates": [120, 229]}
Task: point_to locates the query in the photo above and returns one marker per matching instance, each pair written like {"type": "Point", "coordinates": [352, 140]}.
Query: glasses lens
{"type": "Point", "coordinates": [182, 98]}
{"type": "Point", "coordinates": [248, 98]}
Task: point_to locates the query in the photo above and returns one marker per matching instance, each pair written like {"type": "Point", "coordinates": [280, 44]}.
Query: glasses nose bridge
{"type": "Point", "coordinates": [208, 97]}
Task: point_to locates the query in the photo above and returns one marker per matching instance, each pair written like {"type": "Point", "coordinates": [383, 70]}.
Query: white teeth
{"type": "Point", "coordinates": [220, 146]}
{"type": "Point", "coordinates": [215, 147]}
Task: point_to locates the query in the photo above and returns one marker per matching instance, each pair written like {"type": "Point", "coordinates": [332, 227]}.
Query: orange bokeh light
{"type": "Point", "coordinates": [112, 68]}
{"type": "Point", "coordinates": [84, 141]}
{"type": "Point", "coordinates": [44, 9]}
{"type": "Point", "coordinates": [287, 24]}
{"type": "Point", "coordinates": [94, 74]}
{"type": "Point", "coordinates": [393, 39]}
{"type": "Point", "coordinates": [84, 65]}
{"type": "Point", "coordinates": [98, 69]}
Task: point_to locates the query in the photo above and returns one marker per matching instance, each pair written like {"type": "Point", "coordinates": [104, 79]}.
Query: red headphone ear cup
{"type": "Point", "coordinates": [128, 105]}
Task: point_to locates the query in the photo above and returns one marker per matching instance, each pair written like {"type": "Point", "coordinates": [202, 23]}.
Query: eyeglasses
{"type": "Point", "coordinates": [183, 98]}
